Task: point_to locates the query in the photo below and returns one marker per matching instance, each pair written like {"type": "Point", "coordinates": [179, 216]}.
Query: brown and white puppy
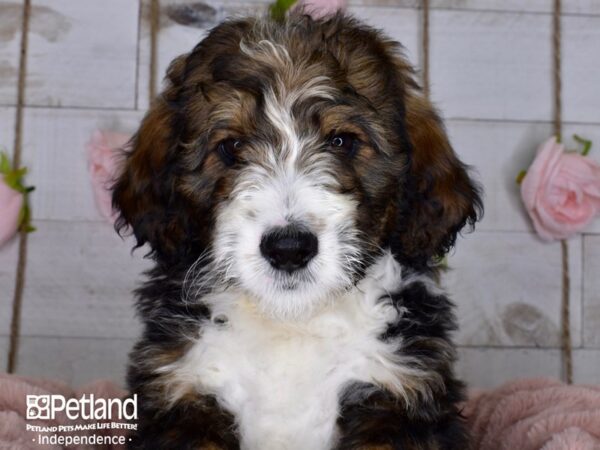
{"type": "Point", "coordinates": [294, 186]}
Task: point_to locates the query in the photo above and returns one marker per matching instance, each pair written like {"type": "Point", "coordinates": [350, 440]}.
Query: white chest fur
{"type": "Point", "coordinates": [282, 381]}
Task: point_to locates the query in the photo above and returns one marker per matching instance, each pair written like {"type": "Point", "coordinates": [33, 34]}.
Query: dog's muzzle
{"type": "Point", "coordinates": [289, 248]}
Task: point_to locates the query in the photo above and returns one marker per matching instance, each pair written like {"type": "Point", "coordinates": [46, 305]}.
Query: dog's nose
{"type": "Point", "coordinates": [289, 248]}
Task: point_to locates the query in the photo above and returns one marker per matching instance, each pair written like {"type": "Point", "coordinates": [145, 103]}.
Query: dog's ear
{"type": "Point", "coordinates": [145, 192]}
{"type": "Point", "coordinates": [440, 197]}
{"type": "Point", "coordinates": [437, 198]}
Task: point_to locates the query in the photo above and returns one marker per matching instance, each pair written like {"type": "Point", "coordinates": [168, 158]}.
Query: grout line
{"type": "Point", "coordinates": [506, 347]}
{"type": "Point", "coordinates": [458, 346]}
{"type": "Point", "coordinates": [75, 220]}
{"type": "Point", "coordinates": [478, 230]}
{"type": "Point", "coordinates": [73, 107]}
{"type": "Point", "coordinates": [457, 119]}
{"type": "Point", "coordinates": [416, 7]}
{"type": "Point", "coordinates": [86, 338]}
{"type": "Point", "coordinates": [514, 12]}
{"type": "Point", "coordinates": [137, 56]}
{"type": "Point", "coordinates": [517, 121]}
{"type": "Point", "coordinates": [522, 347]}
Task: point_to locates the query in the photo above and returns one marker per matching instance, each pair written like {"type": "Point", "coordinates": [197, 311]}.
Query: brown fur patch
{"type": "Point", "coordinates": [413, 195]}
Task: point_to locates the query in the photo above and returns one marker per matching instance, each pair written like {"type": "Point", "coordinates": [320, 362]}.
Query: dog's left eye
{"type": "Point", "coordinates": [227, 150]}
{"type": "Point", "coordinates": [344, 141]}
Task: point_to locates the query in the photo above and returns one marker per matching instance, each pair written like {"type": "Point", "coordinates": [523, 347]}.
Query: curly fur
{"type": "Point", "coordinates": [353, 351]}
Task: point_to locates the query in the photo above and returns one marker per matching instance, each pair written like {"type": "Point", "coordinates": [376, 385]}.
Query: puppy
{"type": "Point", "coordinates": [295, 188]}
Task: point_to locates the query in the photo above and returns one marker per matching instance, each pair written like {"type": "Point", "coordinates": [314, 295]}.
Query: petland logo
{"type": "Point", "coordinates": [87, 407]}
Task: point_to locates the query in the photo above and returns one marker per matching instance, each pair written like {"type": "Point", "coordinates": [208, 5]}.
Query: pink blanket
{"type": "Point", "coordinates": [535, 414]}
{"type": "Point", "coordinates": [13, 409]}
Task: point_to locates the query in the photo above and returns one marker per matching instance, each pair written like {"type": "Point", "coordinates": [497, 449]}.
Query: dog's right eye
{"type": "Point", "coordinates": [227, 150]}
{"type": "Point", "coordinates": [346, 141]}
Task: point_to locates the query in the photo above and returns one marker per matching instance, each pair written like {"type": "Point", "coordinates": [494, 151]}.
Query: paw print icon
{"type": "Point", "coordinates": [38, 407]}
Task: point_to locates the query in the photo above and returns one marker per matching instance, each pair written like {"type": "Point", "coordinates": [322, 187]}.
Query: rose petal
{"type": "Point", "coordinates": [561, 191]}
{"type": "Point", "coordinates": [103, 154]}
{"type": "Point", "coordinates": [548, 155]}
{"type": "Point", "coordinates": [318, 9]}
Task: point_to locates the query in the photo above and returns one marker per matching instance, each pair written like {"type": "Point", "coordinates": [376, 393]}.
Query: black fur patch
{"type": "Point", "coordinates": [412, 193]}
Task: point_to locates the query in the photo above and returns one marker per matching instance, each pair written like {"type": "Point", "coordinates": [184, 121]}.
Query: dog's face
{"type": "Point", "coordinates": [292, 154]}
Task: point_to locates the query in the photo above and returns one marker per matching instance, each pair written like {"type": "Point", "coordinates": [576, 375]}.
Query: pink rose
{"type": "Point", "coordinates": [11, 202]}
{"type": "Point", "coordinates": [561, 191]}
{"type": "Point", "coordinates": [103, 152]}
{"type": "Point", "coordinates": [319, 9]}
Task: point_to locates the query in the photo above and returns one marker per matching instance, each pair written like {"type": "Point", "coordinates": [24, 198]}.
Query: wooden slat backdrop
{"type": "Point", "coordinates": [490, 76]}
{"type": "Point", "coordinates": [90, 59]}
{"type": "Point", "coordinates": [10, 39]}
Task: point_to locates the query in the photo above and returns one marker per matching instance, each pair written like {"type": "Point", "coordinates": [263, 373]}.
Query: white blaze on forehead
{"type": "Point", "coordinates": [279, 115]}
{"type": "Point", "coordinates": [267, 52]}
{"type": "Point", "coordinates": [279, 106]}
{"type": "Point", "coordinates": [294, 181]}
{"type": "Point", "coordinates": [289, 86]}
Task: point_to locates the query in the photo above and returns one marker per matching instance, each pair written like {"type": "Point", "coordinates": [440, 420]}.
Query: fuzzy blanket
{"type": "Point", "coordinates": [535, 414]}
{"type": "Point", "coordinates": [13, 410]}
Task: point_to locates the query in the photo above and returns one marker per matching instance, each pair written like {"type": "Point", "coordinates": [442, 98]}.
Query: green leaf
{"type": "Point", "coordinates": [14, 179]}
{"type": "Point", "coordinates": [520, 176]}
{"type": "Point", "coordinates": [4, 163]}
{"type": "Point", "coordinates": [587, 144]}
{"type": "Point", "coordinates": [279, 8]}
{"type": "Point", "coordinates": [25, 219]}
{"type": "Point", "coordinates": [21, 172]}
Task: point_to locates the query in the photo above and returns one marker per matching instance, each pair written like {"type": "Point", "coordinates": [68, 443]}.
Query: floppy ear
{"type": "Point", "coordinates": [438, 198]}
{"type": "Point", "coordinates": [441, 198]}
{"type": "Point", "coordinates": [145, 194]}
